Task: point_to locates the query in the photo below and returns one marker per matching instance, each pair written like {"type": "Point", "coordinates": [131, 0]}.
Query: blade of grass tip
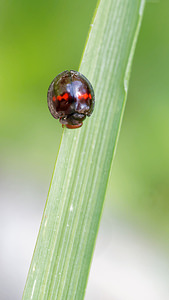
{"type": "Point", "coordinates": [67, 235]}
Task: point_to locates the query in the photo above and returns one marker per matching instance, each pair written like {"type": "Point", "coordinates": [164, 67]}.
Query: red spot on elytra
{"type": "Point", "coordinates": [85, 96]}
{"type": "Point", "coordinates": [54, 98]}
{"type": "Point", "coordinates": [63, 97]}
{"type": "Point", "coordinates": [59, 98]}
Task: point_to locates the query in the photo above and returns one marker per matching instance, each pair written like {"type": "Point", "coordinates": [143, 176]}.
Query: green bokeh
{"type": "Point", "coordinates": [39, 39]}
{"type": "Point", "coordinates": [139, 184]}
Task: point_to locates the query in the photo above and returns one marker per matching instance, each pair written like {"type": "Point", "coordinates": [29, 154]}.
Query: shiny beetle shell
{"type": "Point", "coordinates": [71, 98]}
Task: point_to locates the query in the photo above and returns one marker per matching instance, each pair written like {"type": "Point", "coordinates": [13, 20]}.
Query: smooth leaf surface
{"type": "Point", "coordinates": [63, 253]}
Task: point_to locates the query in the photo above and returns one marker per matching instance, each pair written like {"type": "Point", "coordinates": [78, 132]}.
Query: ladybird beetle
{"type": "Point", "coordinates": [71, 98]}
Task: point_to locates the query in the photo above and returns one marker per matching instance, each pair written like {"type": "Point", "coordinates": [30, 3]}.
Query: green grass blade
{"type": "Point", "coordinates": [62, 256]}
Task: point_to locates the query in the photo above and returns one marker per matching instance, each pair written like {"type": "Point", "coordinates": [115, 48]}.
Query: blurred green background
{"type": "Point", "coordinates": [39, 39]}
